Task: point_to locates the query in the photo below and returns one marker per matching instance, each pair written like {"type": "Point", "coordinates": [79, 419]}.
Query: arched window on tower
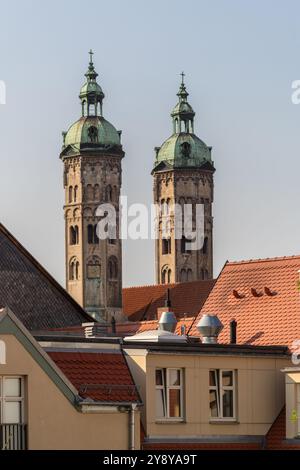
{"type": "Point", "coordinates": [96, 239]}
{"type": "Point", "coordinates": [108, 193]}
{"type": "Point", "coordinates": [166, 246]}
{"type": "Point", "coordinates": [112, 266]}
{"type": "Point", "coordinates": [73, 269]}
{"type": "Point", "coordinates": [169, 275]}
{"type": "Point", "coordinates": [71, 194]}
{"type": "Point", "coordinates": [205, 246]}
{"type": "Point", "coordinates": [75, 193]}
{"type": "Point", "coordinates": [74, 235]}
{"type": "Point", "coordinates": [189, 275]}
{"type": "Point", "coordinates": [90, 234]}
{"type": "Point", "coordinates": [165, 275]}
{"type": "Point", "coordinates": [183, 275]}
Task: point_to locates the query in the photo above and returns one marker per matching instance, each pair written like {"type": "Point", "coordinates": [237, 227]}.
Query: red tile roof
{"type": "Point", "coordinates": [275, 438]}
{"type": "Point", "coordinates": [263, 296]}
{"type": "Point", "coordinates": [100, 376]}
{"type": "Point", "coordinates": [141, 303]}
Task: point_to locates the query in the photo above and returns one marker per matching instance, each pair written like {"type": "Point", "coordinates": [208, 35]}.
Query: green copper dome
{"type": "Point", "coordinates": [91, 133]}
{"type": "Point", "coordinates": [90, 87]}
{"type": "Point", "coordinates": [92, 130]}
{"type": "Point", "coordinates": [183, 148]}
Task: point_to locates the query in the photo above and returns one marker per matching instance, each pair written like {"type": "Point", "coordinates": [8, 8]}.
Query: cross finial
{"type": "Point", "coordinates": [91, 56]}
{"type": "Point", "coordinates": [182, 77]}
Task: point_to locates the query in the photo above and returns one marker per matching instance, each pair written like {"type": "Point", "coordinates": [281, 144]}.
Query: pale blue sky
{"type": "Point", "coordinates": [239, 57]}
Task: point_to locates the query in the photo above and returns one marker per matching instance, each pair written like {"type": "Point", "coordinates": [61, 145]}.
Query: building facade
{"type": "Point", "coordinates": [183, 175]}
{"type": "Point", "coordinates": [92, 155]}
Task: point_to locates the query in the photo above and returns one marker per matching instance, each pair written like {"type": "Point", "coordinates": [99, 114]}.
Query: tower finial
{"type": "Point", "coordinates": [182, 78]}
{"type": "Point", "coordinates": [91, 56]}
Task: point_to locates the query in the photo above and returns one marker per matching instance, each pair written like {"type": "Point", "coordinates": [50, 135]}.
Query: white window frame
{"type": "Point", "coordinates": [6, 399]}
{"type": "Point", "coordinates": [219, 388]}
{"type": "Point", "coordinates": [165, 387]}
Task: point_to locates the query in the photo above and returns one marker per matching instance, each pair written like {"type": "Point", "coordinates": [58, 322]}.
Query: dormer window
{"type": "Point", "coordinates": [93, 134]}
{"type": "Point", "coordinates": [186, 149]}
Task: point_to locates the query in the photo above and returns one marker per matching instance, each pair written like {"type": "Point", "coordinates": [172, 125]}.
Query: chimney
{"type": "Point", "coordinates": [209, 327]}
{"type": "Point", "coordinates": [167, 319]}
{"type": "Point", "coordinates": [166, 307]}
{"type": "Point", "coordinates": [233, 325]}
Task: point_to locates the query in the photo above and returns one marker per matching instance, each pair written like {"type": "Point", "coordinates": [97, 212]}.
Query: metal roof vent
{"type": "Point", "coordinates": [209, 327]}
{"type": "Point", "coordinates": [167, 321]}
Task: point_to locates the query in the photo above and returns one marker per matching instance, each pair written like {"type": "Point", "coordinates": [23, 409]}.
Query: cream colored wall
{"type": "Point", "coordinates": [260, 393]}
{"type": "Point", "coordinates": [292, 393]}
{"type": "Point", "coordinates": [53, 422]}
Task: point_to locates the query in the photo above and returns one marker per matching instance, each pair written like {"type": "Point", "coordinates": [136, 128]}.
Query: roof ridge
{"type": "Point", "coordinates": [168, 285]}
{"type": "Point", "coordinates": [262, 260]}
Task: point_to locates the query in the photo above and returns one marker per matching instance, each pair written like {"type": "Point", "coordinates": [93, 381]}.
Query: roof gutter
{"type": "Point", "coordinates": [107, 407]}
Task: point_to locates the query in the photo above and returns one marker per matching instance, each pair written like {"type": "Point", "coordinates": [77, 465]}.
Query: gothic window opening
{"type": "Point", "coordinates": [71, 194]}
{"type": "Point", "coordinates": [74, 270]}
{"type": "Point", "coordinates": [75, 193]}
{"type": "Point", "coordinates": [90, 234]}
{"type": "Point", "coordinates": [183, 275]}
{"type": "Point", "coordinates": [205, 246]}
{"type": "Point", "coordinates": [183, 248]}
{"type": "Point", "coordinates": [96, 239]}
{"type": "Point", "coordinates": [108, 193]}
{"type": "Point", "coordinates": [169, 276]}
{"type": "Point", "coordinates": [74, 235]}
{"type": "Point", "coordinates": [189, 275]}
{"type": "Point", "coordinates": [112, 268]}
{"type": "Point", "coordinates": [166, 246]}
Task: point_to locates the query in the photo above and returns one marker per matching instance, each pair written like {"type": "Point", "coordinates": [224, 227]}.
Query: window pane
{"type": "Point", "coordinates": [227, 377]}
{"type": "Point", "coordinates": [212, 378]}
{"type": "Point", "coordinates": [228, 404]}
{"type": "Point", "coordinates": [12, 412]}
{"type": "Point", "coordinates": [12, 387]}
{"type": "Point", "coordinates": [174, 377]}
{"type": "Point", "coordinates": [213, 403]}
{"type": "Point", "coordinates": [159, 377]}
{"type": "Point", "coordinates": [160, 404]}
{"type": "Point", "coordinates": [174, 403]}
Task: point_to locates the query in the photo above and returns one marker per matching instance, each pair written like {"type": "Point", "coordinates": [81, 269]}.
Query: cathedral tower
{"type": "Point", "coordinates": [183, 174]}
{"type": "Point", "coordinates": [92, 154]}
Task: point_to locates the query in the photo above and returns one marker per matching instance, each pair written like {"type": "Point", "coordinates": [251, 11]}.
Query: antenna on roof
{"type": "Point", "coordinates": [168, 300]}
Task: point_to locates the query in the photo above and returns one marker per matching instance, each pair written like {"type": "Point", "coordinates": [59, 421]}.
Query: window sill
{"type": "Point", "coordinates": [169, 421]}
{"type": "Point", "coordinates": [223, 421]}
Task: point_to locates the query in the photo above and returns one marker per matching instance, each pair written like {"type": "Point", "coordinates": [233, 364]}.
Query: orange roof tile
{"type": "Point", "coordinates": [141, 303]}
{"type": "Point", "coordinates": [100, 376]}
{"type": "Point", "coordinates": [263, 296]}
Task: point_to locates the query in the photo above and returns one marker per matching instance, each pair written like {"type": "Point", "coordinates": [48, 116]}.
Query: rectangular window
{"type": "Point", "coordinates": [11, 400]}
{"type": "Point", "coordinates": [169, 394]}
{"type": "Point", "coordinates": [222, 393]}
